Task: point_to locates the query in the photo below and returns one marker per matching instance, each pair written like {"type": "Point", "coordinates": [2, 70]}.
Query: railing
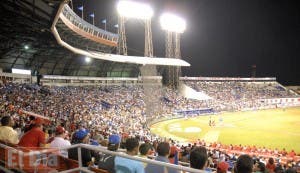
{"type": "Point", "coordinates": [18, 78]}
{"type": "Point", "coordinates": [98, 149]}
{"type": "Point", "coordinates": [72, 17]}
{"type": "Point", "coordinates": [85, 80]}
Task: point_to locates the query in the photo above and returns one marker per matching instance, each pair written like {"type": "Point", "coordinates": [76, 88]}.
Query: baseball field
{"type": "Point", "coordinates": [274, 128]}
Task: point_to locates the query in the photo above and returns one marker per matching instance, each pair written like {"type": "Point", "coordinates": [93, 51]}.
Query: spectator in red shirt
{"type": "Point", "coordinates": [222, 167]}
{"type": "Point", "coordinates": [283, 152]}
{"type": "Point", "coordinates": [35, 137]}
{"type": "Point", "coordinates": [173, 157]}
{"type": "Point", "coordinates": [271, 165]}
{"type": "Point", "coordinates": [292, 153]}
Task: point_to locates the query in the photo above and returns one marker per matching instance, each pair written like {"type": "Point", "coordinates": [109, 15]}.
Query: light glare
{"type": "Point", "coordinates": [88, 59]}
{"type": "Point", "coordinates": [132, 9]}
{"type": "Point", "coordinates": [173, 23]}
{"type": "Point", "coordinates": [20, 71]}
{"type": "Point", "coordinates": [26, 47]}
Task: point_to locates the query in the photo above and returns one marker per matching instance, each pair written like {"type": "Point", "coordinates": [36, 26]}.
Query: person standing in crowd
{"type": "Point", "coordinates": [222, 167]}
{"type": "Point", "coordinates": [7, 133]}
{"type": "Point", "coordinates": [145, 149]}
{"type": "Point", "coordinates": [51, 136]}
{"type": "Point", "coordinates": [259, 167]}
{"type": "Point", "coordinates": [30, 124]}
{"type": "Point", "coordinates": [35, 137]}
{"type": "Point", "coordinates": [81, 136]}
{"type": "Point", "coordinates": [107, 161]}
{"type": "Point", "coordinates": [271, 165]}
{"type": "Point", "coordinates": [244, 164]}
{"type": "Point", "coordinates": [199, 158]}
{"type": "Point", "coordinates": [163, 151]}
{"type": "Point", "coordinates": [59, 141]}
{"type": "Point", "coordinates": [173, 157]}
{"type": "Point", "coordinates": [127, 165]}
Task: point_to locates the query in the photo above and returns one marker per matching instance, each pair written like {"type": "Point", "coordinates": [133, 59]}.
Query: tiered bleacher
{"type": "Point", "coordinates": [92, 114]}
{"type": "Point", "coordinates": [241, 94]}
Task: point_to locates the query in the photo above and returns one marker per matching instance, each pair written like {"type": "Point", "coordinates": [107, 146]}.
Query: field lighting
{"type": "Point", "coordinates": [172, 23]}
{"type": "Point", "coordinates": [131, 9]}
{"type": "Point", "coordinates": [20, 71]}
{"type": "Point", "coordinates": [87, 59]}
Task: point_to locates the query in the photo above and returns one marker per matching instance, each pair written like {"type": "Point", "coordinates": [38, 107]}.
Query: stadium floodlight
{"type": "Point", "coordinates": [131, 9]}
{"type": "Point", "coordinates": [172, 23]}
{"type": "Point", "coordinates": [87, 59]}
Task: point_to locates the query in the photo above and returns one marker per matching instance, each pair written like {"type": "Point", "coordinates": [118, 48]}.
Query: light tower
{"type": "Point", "coordinates": [174, 26]}
{"type": "Point", "coordinates": [122, 45]}
{"type": "Point", "coordinates": [140, 11]}
{"type": "Point", "coordinates": [148, 51]}
{"type": "Point", "coordinates": [136, 10]}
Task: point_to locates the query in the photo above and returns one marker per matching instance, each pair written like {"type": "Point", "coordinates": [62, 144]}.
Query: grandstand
{"type": "Point", "coordinates": [86, 104]}
{"type": "Point", "coordinates": [242, 93]}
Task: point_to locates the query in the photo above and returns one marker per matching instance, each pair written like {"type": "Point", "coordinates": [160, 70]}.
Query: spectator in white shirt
{"type": "Point", "coordinates": [59, 141]}
{"type": "Point", "coordinates": [7, 133]}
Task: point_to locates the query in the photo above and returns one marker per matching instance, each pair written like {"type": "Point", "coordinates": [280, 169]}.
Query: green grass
{"type": "Point", "coordinates": [275, 128]}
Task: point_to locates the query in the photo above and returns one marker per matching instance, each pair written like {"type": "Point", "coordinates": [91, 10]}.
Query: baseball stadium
{"type": "Point", "coordinates": [117, 86]}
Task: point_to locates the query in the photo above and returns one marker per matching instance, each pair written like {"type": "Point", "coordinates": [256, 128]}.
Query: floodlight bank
{"type": "Point", "coordinates": [173, 23]}
{"type": "Point", "coordinates": [132, 9]}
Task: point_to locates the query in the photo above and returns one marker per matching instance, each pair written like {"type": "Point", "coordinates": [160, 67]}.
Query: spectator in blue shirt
{"type": "Point", "coordinates": [163, 151]}
{"type": "Point", "coordinates": [124, 165]}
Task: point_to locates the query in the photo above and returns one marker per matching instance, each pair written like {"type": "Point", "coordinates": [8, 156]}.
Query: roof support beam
{"type": "Point", "coordinates": [16, 59]}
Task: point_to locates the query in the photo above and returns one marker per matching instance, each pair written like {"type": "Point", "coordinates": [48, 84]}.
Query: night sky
{"type": "Point", "coordinates": [223, 37]}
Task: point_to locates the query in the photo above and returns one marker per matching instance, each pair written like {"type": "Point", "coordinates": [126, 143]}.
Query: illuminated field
{"type": "Point", "coordinates": [276, 128]}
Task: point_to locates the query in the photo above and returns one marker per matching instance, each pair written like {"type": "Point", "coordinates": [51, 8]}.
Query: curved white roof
{"type": "Point", "coordinates": [114, 57]}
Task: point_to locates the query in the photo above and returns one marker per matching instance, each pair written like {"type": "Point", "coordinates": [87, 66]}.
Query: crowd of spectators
{"type": "Point", "coordinates": [118, 109]}
{"type": "Point", "coordinates": [218, 152]}
{"type": "Point", "coordinates": [113, 116]}
{"type": "Point", "coordinates": [237, 95]}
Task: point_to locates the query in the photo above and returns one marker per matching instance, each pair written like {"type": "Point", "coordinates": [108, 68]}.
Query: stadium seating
{"type": "Point", "coordinates": [239, 95]}
{"type": "Point", "coordinates": [121, 109]}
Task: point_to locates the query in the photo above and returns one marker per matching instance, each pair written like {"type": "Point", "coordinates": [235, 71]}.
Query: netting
{"type": "Point", "coordinates": [152, 86]}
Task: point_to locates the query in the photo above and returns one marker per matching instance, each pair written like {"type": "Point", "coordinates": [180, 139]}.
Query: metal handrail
{"type": "Point", "coordinates": [5, 170]}
{"type": "Point", "coordinates": [104, 150]}
{"type": "Point", "coordinates": [83, 169]}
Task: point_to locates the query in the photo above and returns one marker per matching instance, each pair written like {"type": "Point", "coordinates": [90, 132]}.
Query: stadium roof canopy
{"type": "Point", "coordinates": [27, 43]}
